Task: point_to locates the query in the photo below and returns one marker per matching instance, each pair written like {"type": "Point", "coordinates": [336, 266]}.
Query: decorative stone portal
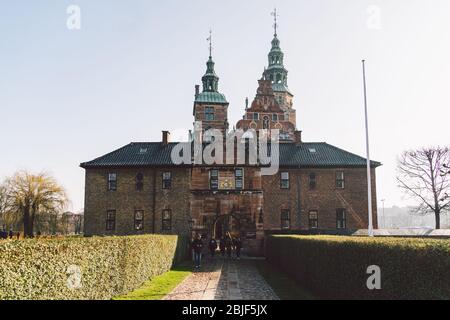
{"type": "Point", "coordinates": [235, 214]}
{"type": "Point", "coordinates": [227, 225]}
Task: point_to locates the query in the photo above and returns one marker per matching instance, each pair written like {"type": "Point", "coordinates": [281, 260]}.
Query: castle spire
{"type": "Point", "coordinates": [275, 25]}
{"type": "Point", "coordinates": [210, 79]}
{"type": "Point", "coordinates": [276, 72]}
{"type": "Point", "coordinates": [209, 39]}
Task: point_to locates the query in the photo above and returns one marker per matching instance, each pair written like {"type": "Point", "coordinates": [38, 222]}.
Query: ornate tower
{"type": "Point", "coordinates": [278, 75]}
{"type": "Point", "coordinates": [265, 113]}
{"type": "Point", "coordinates": [211, 106]}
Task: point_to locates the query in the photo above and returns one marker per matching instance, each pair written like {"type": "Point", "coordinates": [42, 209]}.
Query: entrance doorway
{"type": "Point", "coordinates": [226, 226]}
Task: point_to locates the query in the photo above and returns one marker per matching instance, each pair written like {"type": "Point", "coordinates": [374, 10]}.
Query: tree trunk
{"type": "Point", "coordinates": [438, 219]}
{"type": "Point", "coordinates": [26, 222]}
{"type": "Point", "coordinates": [33, 216]}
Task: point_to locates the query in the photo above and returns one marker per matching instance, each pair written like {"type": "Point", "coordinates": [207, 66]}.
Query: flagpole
{"type": "Point", "coordinates": [369, 179]}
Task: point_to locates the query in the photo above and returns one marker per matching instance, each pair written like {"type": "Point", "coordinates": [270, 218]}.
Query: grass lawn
{"type": "Point", "coordinates": [284, 286]}
{"type": "Point", "coordinates": [160, 286]}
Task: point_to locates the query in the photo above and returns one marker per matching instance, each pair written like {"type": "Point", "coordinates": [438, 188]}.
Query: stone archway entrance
{"type": "Point", "coordinates": [225, 225]}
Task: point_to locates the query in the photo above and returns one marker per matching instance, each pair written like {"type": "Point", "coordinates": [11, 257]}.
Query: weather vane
{"type": "Point", "coordinates": [210, 43]}
{"type": "Point", "coordinates": [275, 17]}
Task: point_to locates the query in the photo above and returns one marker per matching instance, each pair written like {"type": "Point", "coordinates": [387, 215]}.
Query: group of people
{"type": "Point", "coordinates": [226, 245]}
{"type": "Point", "coordinates": [8, 235]}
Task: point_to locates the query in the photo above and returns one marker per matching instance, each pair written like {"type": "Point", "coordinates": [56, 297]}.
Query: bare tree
{"type": "Point", "coordinates": [29, 195]}
{"type": "Point", "coordinates": [3, 204]}
{"type": "Point", "coordinates": [446, 172]}
{"type": "Point", "coordinates": [421, 176]}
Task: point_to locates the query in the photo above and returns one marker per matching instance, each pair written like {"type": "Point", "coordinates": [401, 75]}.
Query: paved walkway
{"type": "Point", "coordinates": [223, 279]}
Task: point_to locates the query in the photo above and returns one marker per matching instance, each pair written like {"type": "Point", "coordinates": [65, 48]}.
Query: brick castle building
{"type": "Point", "coordinates": [138, 188]}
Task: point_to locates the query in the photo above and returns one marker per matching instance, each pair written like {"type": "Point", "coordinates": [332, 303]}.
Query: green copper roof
{"type": "Point", "coordinates": [280, 87]}
{"type": "Point", "coordinates": [211, 97]}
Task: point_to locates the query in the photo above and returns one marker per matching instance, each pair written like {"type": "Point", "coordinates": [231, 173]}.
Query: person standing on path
{"type": "Point", "coordinates": [238, 247]}
{"type": "Point", "coordinates": [222, 246]}
{"type": "Point", "coordinates": [229, 247]}
{"type": "Point", "coordinates": [212, 247]}
{"type": "Point", "coordinates": [197, 246]}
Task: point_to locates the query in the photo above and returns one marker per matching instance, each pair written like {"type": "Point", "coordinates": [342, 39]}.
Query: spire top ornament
{"type": "Point", "coordinates": [275, 18]}
{"type": "Point", "coordinates": [209, 39]}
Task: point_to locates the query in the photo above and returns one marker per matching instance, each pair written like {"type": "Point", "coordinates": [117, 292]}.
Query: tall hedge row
{"type": "Point", "coordinates": [84, 268]}
{"type": "Point", "coordinates": [336, 267]}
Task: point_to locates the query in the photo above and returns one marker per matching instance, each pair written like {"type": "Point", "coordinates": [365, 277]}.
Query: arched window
{"type": "Point", "coordinates": [278, 78]}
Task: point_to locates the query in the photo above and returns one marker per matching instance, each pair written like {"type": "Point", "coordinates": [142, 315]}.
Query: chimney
{"type": "Point", "coordinates": [197, 91]}
{"type": "Point", "coordinates": [165, 137]}
{"type": "Point", "coordinates": [298, 137]}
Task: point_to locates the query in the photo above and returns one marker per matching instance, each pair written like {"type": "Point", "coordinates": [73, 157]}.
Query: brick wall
{"type": "Point", "coordinates": [184, 200]}
{"type": "Point", "coordinates": [152, 200]}
{"type": "Point", "coordinates": [325, 198]}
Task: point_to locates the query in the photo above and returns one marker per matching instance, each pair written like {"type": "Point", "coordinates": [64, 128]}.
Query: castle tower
{"type": "Point", "coordinates": [211, 106]}
{"type": "Point", "coordinates": [278, 75]}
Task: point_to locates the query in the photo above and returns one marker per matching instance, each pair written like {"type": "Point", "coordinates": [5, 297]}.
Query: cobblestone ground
{"type": "Point", "coordinates": [223, 279]}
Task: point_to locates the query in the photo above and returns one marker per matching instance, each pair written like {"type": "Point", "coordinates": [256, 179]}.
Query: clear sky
{"type": "Point", "coordinates": [68, 96]}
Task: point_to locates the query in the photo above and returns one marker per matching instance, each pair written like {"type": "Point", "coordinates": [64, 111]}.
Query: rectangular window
{"type": "Point", "coordinates": [313, 220]}
{"type": "Point", "coordinates": [167, 220]}
{"type": "Point", "coordinates": [167, 180]}
{"type": "Point", "coordinates": [111, 220]}
{"type": "Point", "coordinates": [214, 179]}
{"type": "Point", "coordinates": [239, 179]}
{"type": "Point", "coordinates": [140, 182]}
{"type": "Point", "coordinates": [284, 184]}
{"type": "Point", "coordinates": [209, 114]}
{"type": "Point", "coordinates": [285, 219]}
{"type": "Point", "coordinates": [340, 180]}
{"type": "Point", "coordinates": [341, 219]}
{"type": "Point", "coordinates": [256, 116]}
{"type": "Point", "coordinates": [275, 117]}
{"type": "Point", "coordinates": [312, 180]}
{"type": "Point", "coordinates": [139, 220]}
{"type": "Point", "coordinates": [112, 181]}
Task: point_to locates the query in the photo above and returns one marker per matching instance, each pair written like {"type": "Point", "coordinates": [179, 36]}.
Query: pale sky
{"type": "Point", "coordinates": [68, 96]}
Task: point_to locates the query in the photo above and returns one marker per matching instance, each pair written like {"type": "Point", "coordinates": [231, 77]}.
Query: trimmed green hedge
{"type": "Point", "coordinates": [84, 268]}
{"type": "Point", "coordinates": [336, 267]}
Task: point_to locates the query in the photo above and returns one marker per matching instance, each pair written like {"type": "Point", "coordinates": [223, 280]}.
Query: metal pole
{"type": "Point", "coordinates": [369, 179]}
